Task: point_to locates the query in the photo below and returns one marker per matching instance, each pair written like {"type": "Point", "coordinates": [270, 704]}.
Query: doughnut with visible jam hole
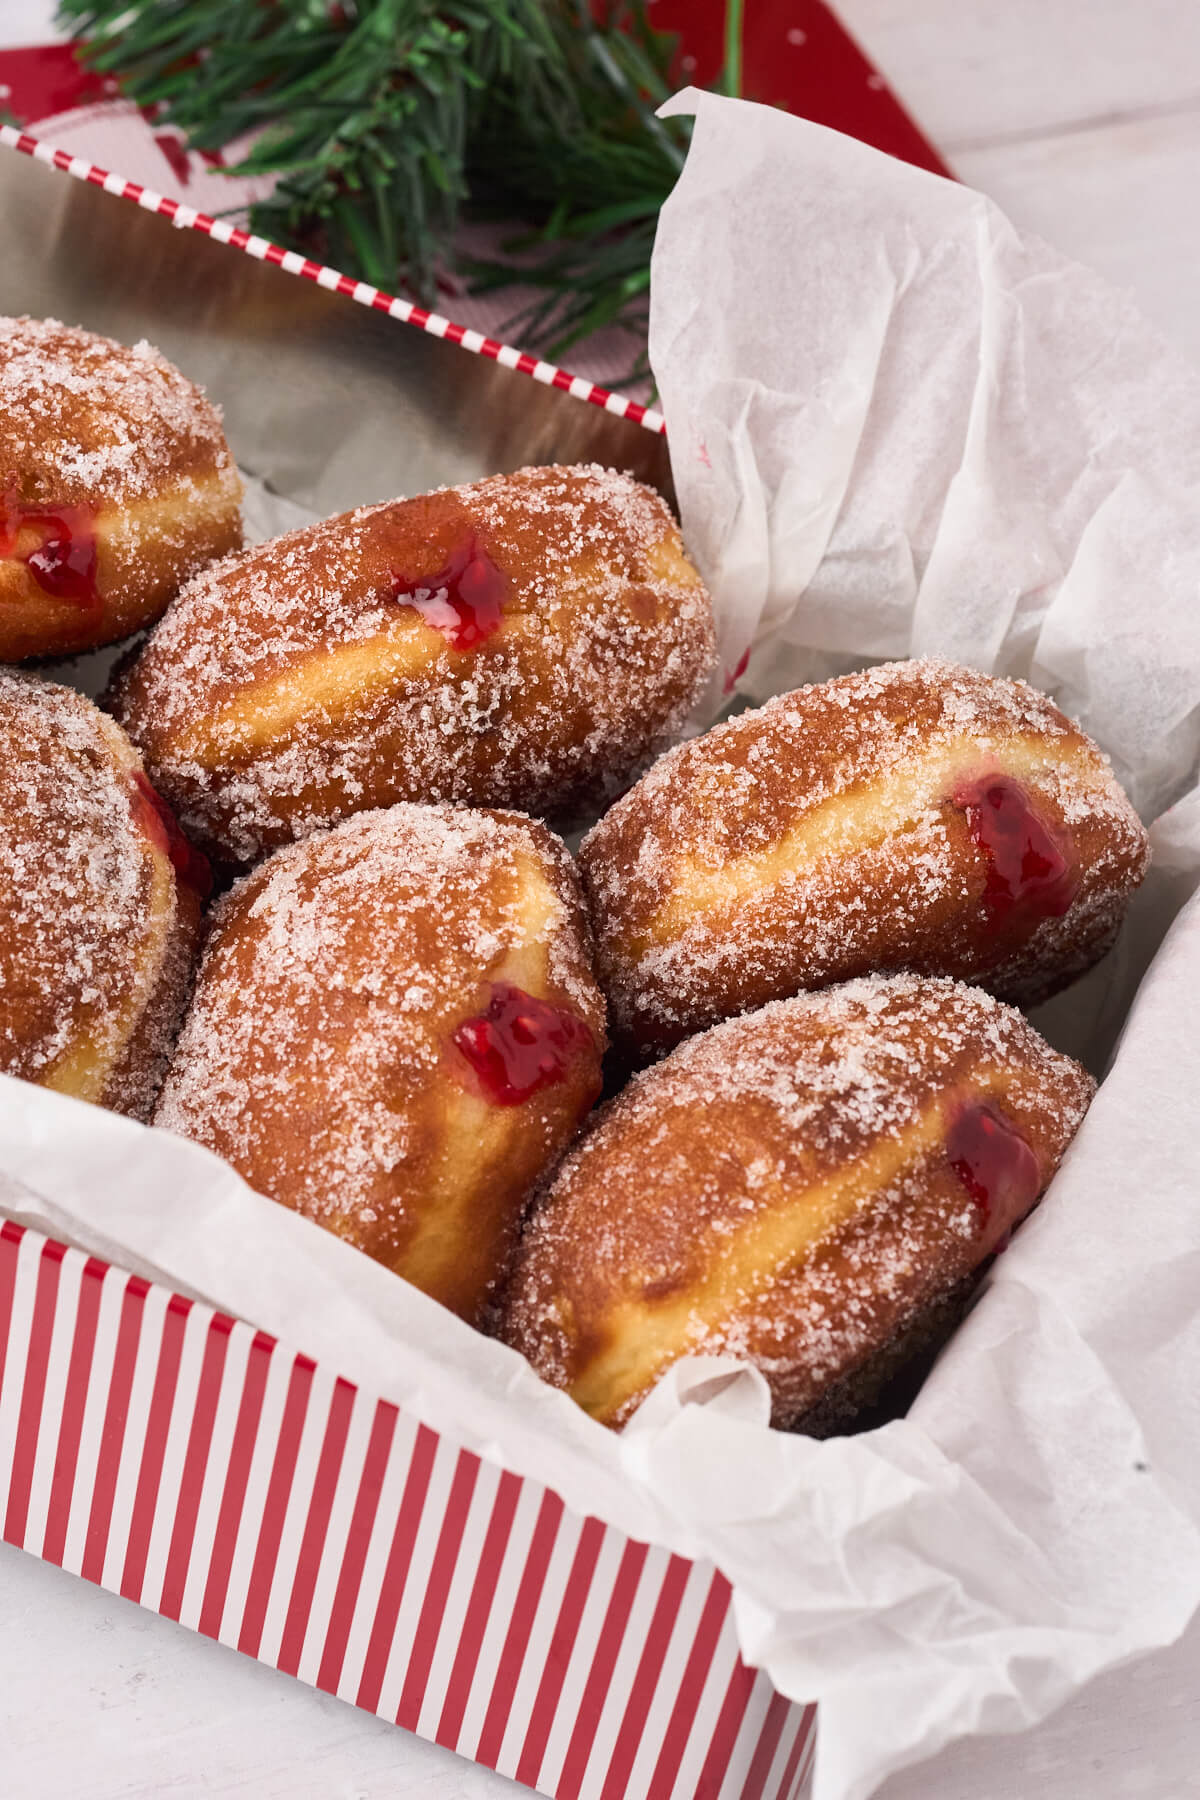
{"type": "Point", "coordinates": [803, 1187]}
{"type": "Point", "coordinates": [395, 1030]}
{"type": "Point", "coordinates": [915, 816]}
{"type": "Point", "coordinates": [116, 484]}
{"type": "Point", "coordinates": [527, 641]}
{"type": "Point", "coordinates": [100, 901]}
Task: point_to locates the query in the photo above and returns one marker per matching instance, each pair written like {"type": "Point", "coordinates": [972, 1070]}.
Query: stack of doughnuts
{"type": "Point", "coordinates": [395, 1029]}
{"type": "Point", "coordinates": [116, 485]}
{"type": "Point", "coordinates": [843, 1131]}
{"type": "Point", "coordinates": [820, 916]}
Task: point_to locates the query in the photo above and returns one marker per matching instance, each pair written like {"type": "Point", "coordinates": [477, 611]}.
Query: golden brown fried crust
{"type": "Point", "coordinates": [820, 838]}
{"type": "Point", "coordinates": [136, 1079]}
{"type": "Point", "coordinates": [291, 686]}
{"type": "Point", "coordinates": [885, 1386]}
{"type": "Point", "coordinates": [791, 1187]}
{"type": "Point", "coordinates": [96, 936]}
{"type": "Point", "coordinates": [319, 1053]}
{"type": "Point", "coordinates": [86, 423]}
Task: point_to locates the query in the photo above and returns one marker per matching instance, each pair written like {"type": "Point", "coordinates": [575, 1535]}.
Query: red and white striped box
{"type": "Point", "coordinates": [179, 1457]}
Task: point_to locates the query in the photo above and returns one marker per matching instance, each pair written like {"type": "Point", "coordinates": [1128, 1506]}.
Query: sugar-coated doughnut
{"type": "Point", "coordinates": [99, 903]}
{"type": "Point", "coordinates": [116, 484]}
{"type": "Point", "coordinates": [395, 1029]}
{"type": "Point", "coordinates": [799, 1187]}
{"type": "Point", "coordinates": [915, 816]}
{"type": "Point", "coordinates": [527, 641]}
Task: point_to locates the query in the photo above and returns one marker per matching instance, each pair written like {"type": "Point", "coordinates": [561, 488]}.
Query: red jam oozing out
{"type": "Point", "coordinates": [735, 674]}
{"type": "Point", "coordinates": [154, 817]}
{"type": "Point", "coordinates": [64, 561]}
{"type": "Point", "coordinates": [520, 1045]}
{"type": "Point", "coordinates": [464, 600]}
{"type": "Point", "coordinates": [993, 1161]}
{"type": "Point", "coordinates": [1031, 867]}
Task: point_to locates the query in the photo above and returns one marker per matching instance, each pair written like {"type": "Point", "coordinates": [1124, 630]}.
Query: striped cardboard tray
{"type": "Point", "coordinates": [179, 1457]}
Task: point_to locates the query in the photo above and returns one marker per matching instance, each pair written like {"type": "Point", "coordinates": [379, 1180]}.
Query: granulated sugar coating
{"type": "Point", "coordinates": [801, 1187]}
{"type": "Point", "coordinates": [322, 1056]}
{"type": "Point", "coordinates": [86, 420]}
{"type": "Point", "coordinates": [95, 940]}
{"type": "Point", "coordinates": [116, 484]}
{"type": "Point", "coordinates": [530, 640]}
{"type": "Point", "coordinates": [916, 815]}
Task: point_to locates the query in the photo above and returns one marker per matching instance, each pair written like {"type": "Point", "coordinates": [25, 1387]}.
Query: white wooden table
{"type": "Point", "coordinates": [1082, 119]}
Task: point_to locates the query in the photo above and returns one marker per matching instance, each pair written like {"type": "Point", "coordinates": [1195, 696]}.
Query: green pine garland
{"type": "Point", "coordinates": [387, 120]}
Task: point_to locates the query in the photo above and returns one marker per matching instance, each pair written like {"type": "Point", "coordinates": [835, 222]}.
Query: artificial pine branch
{"type": "Point", "coordinates": [386, 120]}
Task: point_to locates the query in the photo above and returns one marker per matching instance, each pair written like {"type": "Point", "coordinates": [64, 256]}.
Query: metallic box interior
{"type": "Point", "coordinates": [325, 401]}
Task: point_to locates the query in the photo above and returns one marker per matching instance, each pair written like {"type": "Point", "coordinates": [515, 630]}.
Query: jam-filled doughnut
{"type": "Point", "coordinates": [395, 1029]}
{"type": "Point", "coordinates": [915, 816]}
{"type": "Point", "coordinates": [802, 1187]}
{"type": "Point", "coordinates": [100, 901]}
{"type": "Point", "coordinates": [116, 484]}
{"type": "Point", "coordinates": [527, 641]}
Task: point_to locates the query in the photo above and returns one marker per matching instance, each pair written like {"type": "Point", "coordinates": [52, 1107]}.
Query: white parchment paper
{"type": "Point", "coordinates": [895, 427]}
{"type": "Point", "coordinates": [898, 427]}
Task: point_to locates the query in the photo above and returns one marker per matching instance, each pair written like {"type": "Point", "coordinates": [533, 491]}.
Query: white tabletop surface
{"type": "Point", "coordinates": [1082, 119]}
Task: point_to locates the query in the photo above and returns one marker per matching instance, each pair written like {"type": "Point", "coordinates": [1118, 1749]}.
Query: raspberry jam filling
{"type": "Point", "coordinates": [1032, 872]}
{"type": "Point", "coordinates": [735, 674]}
{"type": "Point", "coordinates": [520, 1045]}
{"type": "Point", "coordinates": [993, 1162]}
{"type": "Point", "coordinates": [154, 818]}
{"type": "Point", "coordinates": [64, 562]}
{"type": "Point", "coordinates": [464, 600]}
